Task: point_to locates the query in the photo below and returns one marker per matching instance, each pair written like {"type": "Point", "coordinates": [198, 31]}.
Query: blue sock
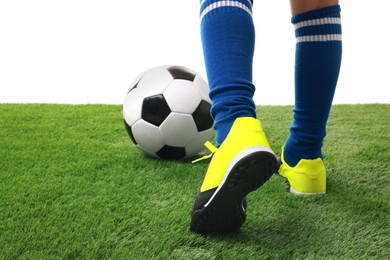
{"type": "Point", "coordinates": [228, 40]}
{"type": "Point", "coordinates": [317, 66]}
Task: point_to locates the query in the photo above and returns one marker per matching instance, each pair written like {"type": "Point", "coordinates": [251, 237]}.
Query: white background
{"type": "Point", "coordinates": [89, 51]}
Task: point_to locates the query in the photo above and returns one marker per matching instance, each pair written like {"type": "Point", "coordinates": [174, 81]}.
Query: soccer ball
{"type": "Point", "coordinates": [167, 112]}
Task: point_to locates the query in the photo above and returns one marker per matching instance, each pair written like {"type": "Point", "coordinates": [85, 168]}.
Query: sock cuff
{"type": "Point", "coordinates": [210, 6]}
{"type": "Point", "coordinates": [322, 25]}
{"type": "Point", "coordinates": [329, 12]}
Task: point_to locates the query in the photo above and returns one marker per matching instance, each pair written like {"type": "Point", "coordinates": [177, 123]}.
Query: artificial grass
{"type": "Point", "coordinates": [73, 186]}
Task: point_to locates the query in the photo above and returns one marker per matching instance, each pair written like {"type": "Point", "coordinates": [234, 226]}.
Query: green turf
{"type": "Point", "coordinates": [73, 186]}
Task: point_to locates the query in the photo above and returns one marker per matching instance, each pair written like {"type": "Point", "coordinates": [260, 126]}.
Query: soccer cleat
{"type": "Point", "coordinates": [307, 177]}
{"type": "Point", "coordinates": [242, 163]}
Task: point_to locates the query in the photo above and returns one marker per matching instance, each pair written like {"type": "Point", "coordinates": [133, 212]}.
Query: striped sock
{"type": "Point", "coordinates": [317, 66]}
{"type": "Point", "coordinates": [228, 40]}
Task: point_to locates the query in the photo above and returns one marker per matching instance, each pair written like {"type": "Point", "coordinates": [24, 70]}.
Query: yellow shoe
{"type": "Point", "coordinates": [239, 166]}
{"type": "Point", "coordinates": [307, 177]}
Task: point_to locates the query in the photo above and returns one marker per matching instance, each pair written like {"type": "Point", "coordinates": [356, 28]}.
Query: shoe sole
{"type": "Point", "coordinates": [300, 193]}
{"type": "Point", "coordinates": [224, 212]}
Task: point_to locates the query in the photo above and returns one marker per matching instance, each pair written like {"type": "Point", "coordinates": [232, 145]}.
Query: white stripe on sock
{"type": "Point", "coordinates": [224, 4]}
{"type": "Point", "coordinates": [201, 3]}
{"type": "Point", "coordinates": [319, 38]}
{"type": "Point", "coordinates": [320, 21]}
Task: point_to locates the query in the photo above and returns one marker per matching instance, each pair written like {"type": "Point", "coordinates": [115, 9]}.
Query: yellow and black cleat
{"type": "Point", "coordinates": [243, 163]}
{"type": "Point", "coordinates": [307, 177]}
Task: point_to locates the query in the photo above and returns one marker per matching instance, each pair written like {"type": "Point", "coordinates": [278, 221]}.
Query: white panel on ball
{"type": "Point", "coordinates": [203, 87]}
{"type": "Point", "coordinates": [155, 81]}
{"type": "Point", "coordinates": [132, 106]}
{"type": "Point", "coordinates": [178, 129]}
{"type": "Point", "coordinates": [182, 96]}
{"type": "Point", "coordinates": [197, 143]}
{"type": "Point", "coordinates": [134, 83]}
{"type": "Point", "coordinates": [147, 136]}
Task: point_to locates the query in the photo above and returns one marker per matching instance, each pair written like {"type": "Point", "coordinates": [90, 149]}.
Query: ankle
{"type": "Point", "coordinates": [292, 154]}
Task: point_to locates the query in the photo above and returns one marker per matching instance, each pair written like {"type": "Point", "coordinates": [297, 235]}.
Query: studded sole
{"type": "Point", "coordinates": [225, 211]}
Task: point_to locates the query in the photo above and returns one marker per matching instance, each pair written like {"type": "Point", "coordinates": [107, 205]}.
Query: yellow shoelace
{"type": "Point", "coordinates": [211, 148]}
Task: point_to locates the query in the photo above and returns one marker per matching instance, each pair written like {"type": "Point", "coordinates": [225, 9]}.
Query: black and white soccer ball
{"type": "Point", "coordinates": [167, 112]}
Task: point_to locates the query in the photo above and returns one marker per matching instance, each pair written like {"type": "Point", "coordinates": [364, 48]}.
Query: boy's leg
{"type": "Point", "coordinates": [228, 39]}
{"type": "Point", "coordinates": [303, 6]}
{"type": "Point", "coordinates": [317, 66]}
{"type": "Point", "coordinates": [243, 160]}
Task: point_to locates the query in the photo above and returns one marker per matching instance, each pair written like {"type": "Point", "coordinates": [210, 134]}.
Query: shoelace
{"type": "Point", "coordinates": [211, 148]}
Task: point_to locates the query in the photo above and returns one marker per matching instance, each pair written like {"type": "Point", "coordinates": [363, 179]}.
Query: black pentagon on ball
{"type": "Point", "coordinates": [171, 152]}
{"type": "Point", "coordinates": [202, 116]}
{"type": "Point", "coordinates": [128, 128]}
{"type": "Point", "coordinates": [155, 109]}
{"type": "Point", "coordinates": [178, 72]}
